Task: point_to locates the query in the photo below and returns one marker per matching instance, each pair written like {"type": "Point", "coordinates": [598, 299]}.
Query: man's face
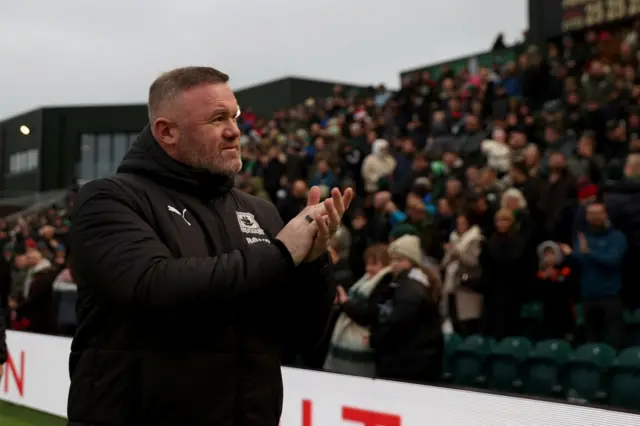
{"type": "Point", "coordinates": [420, 163]}
{"type": "Point", "coordinates": [209, 135]}
{"type": "Point", "coordinates": [444, 208]}
{"type": "Point", "coordinates": [557, 161]}
{"type": "Point", "coordinates": [33, 257]}
{"type": "Point", "coordinates": [596, 215]}
{"type": "Point", "coordinates": [550, 135]}
{"type": "Point", "coordinates": [585, 146]}
{"type": "Point", "coordinates": [471, 123]}
{"type": "Point", "coordinates": [323, 166]}
{"type": "Point", "coordinates": [518, 140]}
{"type": "Point", "coordinates": [299, 189]}
{"type": "Point", "coordinates": [453, 188]}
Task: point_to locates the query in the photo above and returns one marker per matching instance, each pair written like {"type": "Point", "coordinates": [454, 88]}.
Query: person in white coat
{"type": "Point", "coordinates": [463, 277]}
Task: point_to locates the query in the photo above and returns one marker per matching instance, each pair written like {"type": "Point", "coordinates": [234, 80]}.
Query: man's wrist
{"type": "Point", "coordinates": [286, 254]}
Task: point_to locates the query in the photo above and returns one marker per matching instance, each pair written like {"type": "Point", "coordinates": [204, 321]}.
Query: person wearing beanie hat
{"type": "Point", "coordinates": [402, 230]}
{"type": "Point", "coordinates": [407, 246]}
{"type": "Point", "coordinates": [407, 335]}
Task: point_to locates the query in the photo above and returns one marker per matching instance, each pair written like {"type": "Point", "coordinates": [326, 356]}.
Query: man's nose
{"type": "Point", "coordinates": [232, 131]}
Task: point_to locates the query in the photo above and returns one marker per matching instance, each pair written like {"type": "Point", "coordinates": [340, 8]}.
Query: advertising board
{"type": "Point", "coordinates": [37, 377]}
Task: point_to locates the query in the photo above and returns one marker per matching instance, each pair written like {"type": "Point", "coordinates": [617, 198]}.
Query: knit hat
{"type": "Point", "coordinates": [409, 247]}
{"type": "Point", "coordinates": [402, 230]}
{"type": "Point", "coordinates": [587, 191]}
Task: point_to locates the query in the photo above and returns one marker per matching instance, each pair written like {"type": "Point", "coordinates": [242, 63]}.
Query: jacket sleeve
{"type": "Point", "coordinates": [117, 253]}
{"type": "Point", "coordinates": [362, 314]}
{"type": "Point", "coordinates": [612, 254]}
{"type": "Point", "coordinates": [311, 294]}
{"type": "Point", "coordinates": [308, 296]}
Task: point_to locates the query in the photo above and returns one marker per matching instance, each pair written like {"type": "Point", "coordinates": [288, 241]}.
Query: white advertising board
{"type": "Point", "coordinates": [36, 376]}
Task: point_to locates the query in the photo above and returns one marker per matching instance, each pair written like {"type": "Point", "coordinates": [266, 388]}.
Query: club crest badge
{"type": "Point", "coordinates": [248, 224]}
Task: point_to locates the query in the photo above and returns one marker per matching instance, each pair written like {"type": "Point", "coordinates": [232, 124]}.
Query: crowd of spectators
{"type": "Point", "coordinates": [481, 193]}
{"type": "Point", "coordinates": [37, 293]}
{"type": "Point", "coordinates": [521, 183]}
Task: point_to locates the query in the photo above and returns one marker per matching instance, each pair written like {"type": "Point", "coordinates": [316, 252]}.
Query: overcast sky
{"type": "Point", "coordinates": [61, 52]}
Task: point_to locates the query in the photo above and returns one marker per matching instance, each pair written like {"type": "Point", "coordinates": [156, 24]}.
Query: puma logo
{"type": "Point", "coordinates": [176, 211]}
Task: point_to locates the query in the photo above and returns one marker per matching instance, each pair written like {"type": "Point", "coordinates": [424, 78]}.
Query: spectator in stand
{"type": "Point", "coordinates": [599, 252]}
{"type": "Point", "coordinates": [37, 307]}
{"type": "Point", "coordinates": [554, 288]}
{"type": "Point", "coordinates": [290, 206]}
{"type": "Point", "coordinates": [462, 277]}
{"type": "Point", "coordinates": [623, 205]}
{"type": "Point", "coordinates": [323, 175]}
{"type": "Point", "coordinates": [379, 164]}
{"type": "Point", "coordinates": [502, 259]}
{"type": "Point", "coordinates": [341, 278]}
{"type": "Point", "coordinates": [557, 199]}
{"type": "Point", "coordinates": [350, 351]}
{"type": "Point", "coordinates": [497, 151]}
{"type": "Point", "coordinates": [584, 163]}
{"type": "Point", "coordinates": [406, 335]}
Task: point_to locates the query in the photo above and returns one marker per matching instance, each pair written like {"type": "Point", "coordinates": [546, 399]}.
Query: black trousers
{"type": "Point", "coordinates": [604, 321]}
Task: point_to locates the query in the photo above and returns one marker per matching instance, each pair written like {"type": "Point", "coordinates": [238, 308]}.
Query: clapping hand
{"type": "Point", "coordinates": [335, 208]}
{"type": "Point", "coordinates": [566, 250]}
{"type": "Point", "coordinates": [307, 235]}
{"type": "Point", "coordinates": [584, 246]}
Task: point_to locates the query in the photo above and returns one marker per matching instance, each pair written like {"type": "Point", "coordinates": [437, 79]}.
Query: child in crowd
{"type": "Point", "coordinates": [554, 289]}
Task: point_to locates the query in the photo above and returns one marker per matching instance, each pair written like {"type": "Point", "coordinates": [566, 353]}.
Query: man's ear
{"type": "Point", "coordinates": [165, 132]}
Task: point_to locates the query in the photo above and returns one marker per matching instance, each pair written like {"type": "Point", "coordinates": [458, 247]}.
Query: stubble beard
{"type": "Point", "coordinates": [197, 156]}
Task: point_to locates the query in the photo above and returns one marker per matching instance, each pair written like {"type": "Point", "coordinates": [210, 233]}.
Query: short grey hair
{"type": "Point", "coordinates": [169, 85]}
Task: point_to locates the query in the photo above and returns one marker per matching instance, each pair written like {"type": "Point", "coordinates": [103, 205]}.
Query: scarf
{"type": "Point", "coordinates": [350, 340]}
{"type": "Point", "coordinates": [459, 243]}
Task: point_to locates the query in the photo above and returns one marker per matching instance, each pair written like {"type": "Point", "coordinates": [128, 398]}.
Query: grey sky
{"type": "Point", "coordinates": [108, 51]}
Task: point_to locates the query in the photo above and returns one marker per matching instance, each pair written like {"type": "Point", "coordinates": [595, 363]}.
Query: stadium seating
{"type": "Point", "coordinates": [468, 361]}
{"type": "Point", "coordinates": [586, 372]}
{"type": "Point", "coordinates": [452, 341]}
{"type": "Point", "coordinates": [632, 320]}
{"type": "Point", "coordinates": [543, 368]}
{"type": "Point", "coordinates": [624, 377]}
{"type": "Point", "coordinates": [593, 373]}
{"type": "Point", "coordinates": [505, 362]}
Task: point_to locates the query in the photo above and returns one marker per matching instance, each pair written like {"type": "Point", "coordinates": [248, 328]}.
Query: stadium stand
{"type": "Point", "coordinates": [522, 182]}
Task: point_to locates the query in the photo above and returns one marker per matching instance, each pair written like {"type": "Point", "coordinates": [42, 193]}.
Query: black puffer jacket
{"type": "Point", "coordinates": [185, 299]}
{"type": "Point", "coordinates": [407, 334]}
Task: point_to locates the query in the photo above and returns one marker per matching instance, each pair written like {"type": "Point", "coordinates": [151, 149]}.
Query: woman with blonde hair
{"type": "Point", "coordinates": [407, 333]}
{"type": "Point", "coordinates": [513, 199]}
{"type": "Point", "coordinates": [349, 350]}
{"type": "Point", "coordinates": [463, 276]}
